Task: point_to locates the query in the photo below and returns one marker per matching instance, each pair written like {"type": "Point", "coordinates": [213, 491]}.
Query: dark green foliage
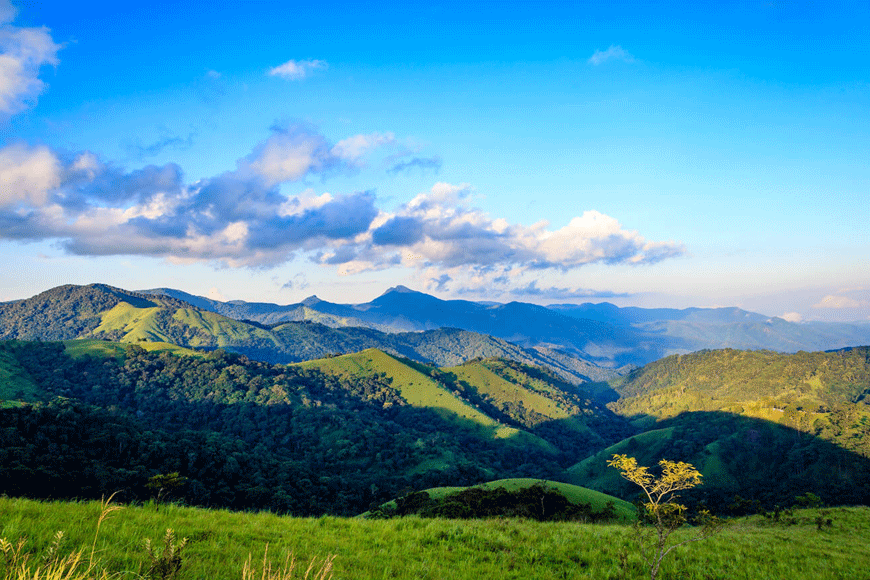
{"type": "Point", "coordinates": [245, 434]}
{"type": "Point", "coordinates": [820, 393]}
{"type": "Point", "coordinates": [537, 502]}
{"type": "Point", "coordinates": [753, 458]}
{"type": "Point", "coordinates": [164, 484]}
{"type": "Point", "coordinates": [61, 313]}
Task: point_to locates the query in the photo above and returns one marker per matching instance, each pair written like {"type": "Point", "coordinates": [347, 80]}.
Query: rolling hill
{"type": "Point", "coordinates": [91, 417]}
{"type": "Point", "coordinates": [525, 405]}
{"type": "Point", "coordinates": [99, 311]}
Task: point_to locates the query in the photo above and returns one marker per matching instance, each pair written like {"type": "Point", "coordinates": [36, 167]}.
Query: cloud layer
{"type": "Point", "coordinates": [241, 217]}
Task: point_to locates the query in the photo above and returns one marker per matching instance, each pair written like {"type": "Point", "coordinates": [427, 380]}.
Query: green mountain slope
{"type": "Point", "coordinates": [246, 434]}
{"type": "Point", "coordinates": [759, 424]}
{"type": "Point", "coordinates": [822, 393]}
{"type": "Point", "coordinates": [539, 401]}
{"type": "Point", "coordinates": [419, 390]}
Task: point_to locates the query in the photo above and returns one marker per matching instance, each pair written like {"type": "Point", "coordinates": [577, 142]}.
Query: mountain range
{"type": "Point", "coordinates": [602, 333]}
{"type": "Point", "coordinates": [581, 342]}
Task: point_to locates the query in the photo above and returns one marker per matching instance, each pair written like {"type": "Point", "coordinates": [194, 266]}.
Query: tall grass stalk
{"type": "Point", "coordinates": [18, 564]}
{"type": "Point", "coordinates": [286, 572]}
{"type": "Point", "coordinates": [106, 508]}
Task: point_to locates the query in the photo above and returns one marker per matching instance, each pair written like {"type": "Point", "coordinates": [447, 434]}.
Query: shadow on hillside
{"type": "Point", "coordinates": [753, 458]}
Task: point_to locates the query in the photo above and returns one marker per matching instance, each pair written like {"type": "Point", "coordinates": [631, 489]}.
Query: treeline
{"type": "Point", "coordinates": [246, 434]}
{"type": "Point", "coordinates": [537, 502]}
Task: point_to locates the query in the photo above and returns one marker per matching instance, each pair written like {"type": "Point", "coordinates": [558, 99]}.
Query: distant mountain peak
{"type": "Point", "coordinates": [311, 300]}
{"type": "Point", "coordinates": [400, 290]}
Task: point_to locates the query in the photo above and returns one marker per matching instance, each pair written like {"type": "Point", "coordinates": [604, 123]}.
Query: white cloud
{"type": "Point", "coordinates": [295, 150]}
{"type": "Point", "coordinates": [354, 148]}
{"type": "Point", "coordinates": [295, 70]}
{"type": "Point", "coordinates": [615, 52]}
{"type": "Point", "coordinates": [792, 317]}
{"type": "Point", "coordinates": [241, 218]}
{"type": "Point", "coordinates": [439, 229]}
{"type": "Point", "coordinates": [27, 175]}
{"type": "Point", "coordinates": [838, 302]}
{"type": "Point", "coordinates": [23, 51]}
{"type": "Point", "coordinates": [7, 12]}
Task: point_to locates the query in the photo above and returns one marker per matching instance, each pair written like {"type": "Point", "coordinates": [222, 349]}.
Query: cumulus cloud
{"type": "Point", "coordinates": [23, 52]}
{"type": "Point", "coordinates": [354, 148]}
{"type": "Point", "coordinates": [27, 175]}
{"type": "Point", "coordinates": [792, 317]}
{"type": "Point", "coordinates": [614, 52]}
{"type": "Point", "coordinates": [295, 70]}
{"type": "Point", "coordinates": [242, 218]}
{"type": "Point", "coordinates": [295, 150]}
{"type": "Point", "coordinates": [439, 229]}
{"type": "Point", "coordinates": [238, 218]}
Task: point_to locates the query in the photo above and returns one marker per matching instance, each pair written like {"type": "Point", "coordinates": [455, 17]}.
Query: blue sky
{"type": "Point", "coordinates": [670, 155]}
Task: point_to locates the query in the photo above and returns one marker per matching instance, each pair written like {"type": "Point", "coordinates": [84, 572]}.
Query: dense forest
{"type": "Point", "coordinates": [245, 434]}
{"type": "Point", "coordinates": [97, 417]}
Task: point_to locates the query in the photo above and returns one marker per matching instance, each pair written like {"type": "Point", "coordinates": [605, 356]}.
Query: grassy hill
{"type": "Point", "coordinates": [756, 423]}
{"type": "Point", "coordinates": [419, 390]}
{"type": "Point", "coordinates": [498, 398]}
{"type": "Point", "coordinates": [329, 436]}
{"type": "Point", "coordinates": [537, 400]}
{"type": "Point", "coordinates": [624, 511]}
{"type": "Point", "coordinates": [219, 543]}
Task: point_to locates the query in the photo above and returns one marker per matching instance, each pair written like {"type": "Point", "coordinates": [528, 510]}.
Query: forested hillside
{"type": "Point", "coordinates": [246, 434]}
{"type": "Point", "coordinates": [822, 393]}
{"type": "Point", "coordinates": [766, 426]}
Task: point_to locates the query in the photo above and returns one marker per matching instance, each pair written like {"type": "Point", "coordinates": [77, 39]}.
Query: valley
{"type": "Point", "coordinates": [102, 389]}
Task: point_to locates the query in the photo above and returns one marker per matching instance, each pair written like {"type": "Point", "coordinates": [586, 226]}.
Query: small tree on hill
{"type": "Point", "coordinates": [163, 484]}
{"type": "Point", "coordinates": [661, 515]}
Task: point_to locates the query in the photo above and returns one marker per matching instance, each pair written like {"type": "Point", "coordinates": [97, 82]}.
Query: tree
{"type": "Point", "coordinates": [164, 484]}
{"type": "Point", "coordinates": [661, 515]}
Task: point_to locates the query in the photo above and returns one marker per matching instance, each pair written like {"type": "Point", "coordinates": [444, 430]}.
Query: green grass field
{"type": "Point", "coordinates": [490, 384]}
{"type": "Point", "coordinates": [415, 548]}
